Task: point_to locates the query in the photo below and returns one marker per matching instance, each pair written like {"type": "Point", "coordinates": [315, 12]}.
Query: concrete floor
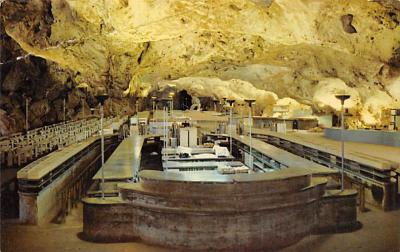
{"type": "Point", "coordinates": [380, 232]}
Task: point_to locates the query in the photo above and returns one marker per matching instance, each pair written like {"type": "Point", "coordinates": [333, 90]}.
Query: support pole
{"type": "Point", "coordinates": [166, 104]}
{"type": "Point", "coordinates": [154, 98]}
{"type": "Point", "coordinates": [230, 129]}
{"type": "Point", "coordinates": [250, 141]}
{"type": "Point", "coordinates": [166, 126]}
{"type": "Point", "coordinates": [165, 108]}
{"type": "Point", "coordinates": [164, 130]}
{"type": "Point", "coordinates": [215, 101]}
{"type": "Point", "coordinates": [83, 108]}
{"type": "Point", "coordinates": [171, 100]}
{"type": "Point", "coordinates": [101, 98]}
{"type": "Point", "coordinates": [64, 109]}
{"type": "Point", "coordinates": [342, 143]}
{"type": "Point", "coordinates": [342, 98]}
{"type": "Point", "coordinates": [231, 102]}
{"type": "Point", "coordinates": [250, 102]}
{"type": "Point", "coordinates": [102, 150]}
{"type": "Point", "coordinates": [26, 114]}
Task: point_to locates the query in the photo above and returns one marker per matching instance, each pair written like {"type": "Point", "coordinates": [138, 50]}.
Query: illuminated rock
{"type": "Point", "coordinates": [286, 47]}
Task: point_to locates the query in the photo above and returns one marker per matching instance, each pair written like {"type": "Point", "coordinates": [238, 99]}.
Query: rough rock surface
{"type": "Point", "coordinates": [292, 48]}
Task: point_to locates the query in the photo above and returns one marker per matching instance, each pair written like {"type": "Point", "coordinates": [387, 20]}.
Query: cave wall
{"type": "Point", "coordinates": [44, 83]}
{"type": "Point", "coordinates": [33, 78]}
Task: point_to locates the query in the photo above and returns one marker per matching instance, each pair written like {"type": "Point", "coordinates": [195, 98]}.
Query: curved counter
{"type": "Point", "coordinates": [216, 212]}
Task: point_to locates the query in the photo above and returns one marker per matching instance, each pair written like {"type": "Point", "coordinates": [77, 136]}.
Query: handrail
{"type": "Point", "coordinates": [21, 148]}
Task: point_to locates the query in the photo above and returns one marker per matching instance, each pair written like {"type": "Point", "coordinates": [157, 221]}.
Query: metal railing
{"type": "Point", "coordinates": [361, 172]}
{"type": "Point", "coordinates": [20, 149]}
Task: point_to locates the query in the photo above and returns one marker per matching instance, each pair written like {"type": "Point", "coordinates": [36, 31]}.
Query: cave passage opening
{"type": "Point", "coordinates": [184, 99]}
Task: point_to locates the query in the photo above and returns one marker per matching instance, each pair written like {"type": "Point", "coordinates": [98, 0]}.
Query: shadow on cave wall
{"type": "Point", "coordinates": [29, 78]}
{"type": "Point", "coordinates": [44, 84]}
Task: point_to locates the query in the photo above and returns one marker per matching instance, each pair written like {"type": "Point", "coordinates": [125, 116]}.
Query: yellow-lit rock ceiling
{"type": "Point", "coordinates": [303, 49]}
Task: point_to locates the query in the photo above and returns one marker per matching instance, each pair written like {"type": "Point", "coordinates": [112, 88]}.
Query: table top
{"type": "Point", "coordinates": [284, 157]}
{"type": "Point", "coordinates": [198, 164]}
{"type": "Point", "coordinates": [215, 177]}
{"type": "Point", "coordinates": [124, 160]}
{"type": "Point", "coordinates": [41, 167]}
{"type": "Point", "coordinates": [194, 150]}
{"type": "Point", "coordinates": [199, 158]}
{"type": "Point", "coordinates": [380, 157]}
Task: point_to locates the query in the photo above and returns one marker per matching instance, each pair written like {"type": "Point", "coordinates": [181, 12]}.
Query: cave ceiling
{"type": "Point", "coordinates": [302, 50]}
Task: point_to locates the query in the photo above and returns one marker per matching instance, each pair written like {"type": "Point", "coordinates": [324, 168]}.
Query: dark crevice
{"type": "Point", "coordinates": [146, 48]}
{"type": "Point", "coordinates": [346, 22]}
{"type": "Point", "coordinates": [394, 61]}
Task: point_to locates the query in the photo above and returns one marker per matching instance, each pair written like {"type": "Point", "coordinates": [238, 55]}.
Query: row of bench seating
{"type": "Point", "coordinates": [361, 171]}
{"type": "Point", "coordinates": [20, 149]}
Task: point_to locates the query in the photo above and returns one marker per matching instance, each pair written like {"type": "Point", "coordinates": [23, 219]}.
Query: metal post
{"type": "Point", "coordinates": [165, 108]}
{"type": "Point", "coordinates": [215, 110]}
{"type": "Point", "coordinates": [154, 105]}
{"type": "Point", "coordinates": [216, 126]}
{"type": "Point", "coordinates": [231, 102]}
{"type": "Point", "coordinates": [102, 150]}
{"type": "Point", "coordinates": [166, 125]}
{"type": "Point", "coordinates": [223, 106]}
{"type": "Point", "coordinates": [342, 142]}
{"type": "Point", "coordinates": [250, 142]}
{"type": "Point", "coordinates": [230, 129]}
{"type": "Point", "coordinates": [342, 98]}
{"type": "Point", "coordinates": [250, 102]}
{"type": "Point", "coordinates": [83, 108]}
{"type": "Point", "coordinates": [64, 109]}
{"type": "Point", "coordinates": [171, 100]}
{"type": "Point", "coordinates": [26, 114]}
{"type": "Point", "coordinates": [164, 128]}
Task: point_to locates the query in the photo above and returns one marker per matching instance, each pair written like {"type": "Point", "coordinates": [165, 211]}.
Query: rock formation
{"type": "Point", "coordinates": [306, 50]}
